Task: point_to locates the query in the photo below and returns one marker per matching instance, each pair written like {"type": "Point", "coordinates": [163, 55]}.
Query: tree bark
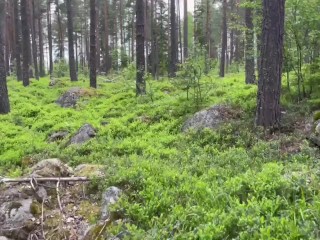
{"type": "Point", "coordinates": [224, 39]}
{"type": "Point", "coordinates": [60, 34]}
{"type": "Point", "coordinates": [49, 26]}
{"type": "Point", "coordinates": [107, 32]}
{"type": "Point", "coordinates": [185, 31]}
{"type": "Point", "coordinates": [4, 98]}
{"type": "Point", "coordinates": [140, 81]}
{"type": "Point", "coordinates": [25, 42]}
{"type": "Point", "coordinates": [174, 42]}
{"type": "Point", "coordinates": [18, 40]}
{"type": "Point", "coordinates": [41, 51]}
{"type": "Point", "coordinates": [34, 41]}
{"type": "Point", "coordinates": [269, 87]}
{"type": "Point", "coordinates": [72, 62]}
{"type": "Point", "coordinates": [93, 44]}
{"type": "Point", "coordinates": [249, 47]}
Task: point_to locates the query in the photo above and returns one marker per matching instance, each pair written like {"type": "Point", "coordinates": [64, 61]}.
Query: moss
{"type": "Point", "coordinates": [35, 209]}
{"type": "Point", "coordinates": [89, 211]}
{"type": "Point", "coordinates": [316, 116]}
{"type": "Point", "coordinates": [94, 233]}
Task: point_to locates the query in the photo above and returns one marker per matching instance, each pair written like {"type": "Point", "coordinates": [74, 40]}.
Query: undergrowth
{"type": "Point", "coordinates": [231, 183]}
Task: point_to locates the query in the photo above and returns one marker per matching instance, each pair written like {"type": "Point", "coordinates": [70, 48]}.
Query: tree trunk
{"type": "Point", "coordinates": [18, 40]}
{"type": "Point", "coordinates": [185, 30]}
{"type": "Point", "coordinates": [49, 26]}
{"type": "Point", "coordinates": [98, 37]}
{"type": "Point", "coordinates": [41, 51]}
{"type": "Point", "coordinates": [174, 42]}
{"type": "Point", "coordinates": [269, 87]}
{"type": "Point", "coordinates": [34, 41]}
{"type": "Point", "coordinates": [60, 34]}
{"type": "Point", "coordinates": [93, 44]}
{"type": "Point", "coordinates": [25, 42]}
{"type": "Point", "coordinates": [106, 32]}
{"type": "Point", "coordinates": [72, 61]}
{"type": "Point", "coordinates": [140, 81]}
{"type": "Point", "coordinates": [249, 48]}
{"type": "Point", "coordinates": [224, 39]}
{"type": "Point", "coordinates": [4, 98]}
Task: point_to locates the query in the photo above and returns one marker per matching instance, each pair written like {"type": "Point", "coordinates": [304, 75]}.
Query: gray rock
{"type": "Point", "coordinates": [85, 133]}
{"type": "Point", "coordinates": [210, 118]}
{"type": "Point", "coordinates": [109, 197]}
{"type": "Point", "coordinates": [69, 98]}
{"type": "Point", "coordinates": [51, 168]}
{"type": "Point", "coordinates": [89, 170]}
{"type": "Point", "coordinates": [16, 219]}
{"type": "Point", "coordinates": [4, 238]}
{"type": "Point", "coordinates": [58, 136]}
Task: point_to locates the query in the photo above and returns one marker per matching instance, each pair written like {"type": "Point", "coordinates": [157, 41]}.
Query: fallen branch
{"type": "Point", "coordinates": [44, 179]}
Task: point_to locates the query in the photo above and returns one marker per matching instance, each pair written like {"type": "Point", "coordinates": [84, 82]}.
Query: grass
{"type": "Point", "coordinates": [231, 183]}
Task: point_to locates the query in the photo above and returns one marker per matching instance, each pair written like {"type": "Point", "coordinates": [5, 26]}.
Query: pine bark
{"type": "Point", "coordinates": [93, 44]}
{"type": "Point", "coordinates": [49, 26]}
{"type": "Point", "coordinates": [249, 47]}
{"type": "Point", "coordinates": [174, 42]}
{"type": "Point", "coordinates": [25, 42]}
{"type": "Point", "coordinates": [185, 30]}
{"type": "Point", "coordinates": [269, 86]}
{"type": "Point", "coordinates": [224, 39]}
{"type": "Point", "coordinates": [17, 40]}
{"type": "Point", "coordinates": [140, 81]}
{"type": "Point", "coordinates": [4, 98]}
{"type": "Point", "coordinates": [107, 32]}
{"type": "Point", "coordinates": [41, 45]}
{"type": "Point", "coordinates": [34, 41]}
{"type": "Point", "coordinates": [72, 61]}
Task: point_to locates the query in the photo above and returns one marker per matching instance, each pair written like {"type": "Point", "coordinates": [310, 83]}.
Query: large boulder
{"type": "Point", "coordinates": [85, 133]}
{"type": "Point", "coordinates": [51, 168]}
{"type": "Point", "coordinates": [17, 219]}
{"type": "Point", "coordinates": [70, 98]}
{"type": "Point", "coordinates": [210, 118]}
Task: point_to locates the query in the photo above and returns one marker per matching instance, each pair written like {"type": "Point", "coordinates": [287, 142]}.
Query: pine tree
{"type": "Point", "coordinates": [25, 42]}
{"type": "Point", "coordinates": [93, 44]}
{"type": "Point", "coordinates": [269, 86]}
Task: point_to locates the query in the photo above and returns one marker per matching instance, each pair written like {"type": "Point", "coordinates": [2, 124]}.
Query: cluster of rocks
{"type": "Point", "coordinates": [30, 212]}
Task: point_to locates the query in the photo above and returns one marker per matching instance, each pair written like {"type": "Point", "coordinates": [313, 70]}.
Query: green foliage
{"type": "Point", "coordinates": [224, 184]}
{"type": "Point", "coordinates": [60, 69]}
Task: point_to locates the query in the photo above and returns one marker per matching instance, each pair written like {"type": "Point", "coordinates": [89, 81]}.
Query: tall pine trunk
{"type": "Point", "coordinates": [25, 42]}
{"type": "Point", "coordinates": [18, 40]}
{"type": "Point", "coordinates": [249, 47]}
{"type": "Point", "coordinates": [72, 62]}
{"type": "Point", "coordinates": [224, 39]}
{"type": "Point", "coordinates": [49, 26]}
{"type": "Point", "coordinates": [174, 42]}
{"type": "Point", "coordinates": [140, 81]}
{"type": "Point", "coordinates": [4, 98]}
{"type": "Point", "coordinates": [106, 32]}
{"type": "Point", "coordinates": [41, 51]}
{"type": "Point", "coordinates": [269, 87]}
{"type": "Point", "coordinates": [93, 44]}
{"type": "Point", "coordinates": [34, 41]}
{"type": "Point", "coordinates": [185, 31]}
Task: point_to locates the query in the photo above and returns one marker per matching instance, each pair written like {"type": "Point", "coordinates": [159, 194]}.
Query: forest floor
{"type": "Point", "coordinates": [235, 182]}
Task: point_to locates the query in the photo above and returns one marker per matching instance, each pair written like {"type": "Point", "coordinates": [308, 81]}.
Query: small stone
{"type": "Point", "coordinates": [84, 134]}
{"type": "Point", "coordinates": [110, 197]}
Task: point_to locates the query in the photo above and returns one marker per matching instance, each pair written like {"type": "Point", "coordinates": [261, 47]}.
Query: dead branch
{"type": "Point", "coordinates": [44, 179]}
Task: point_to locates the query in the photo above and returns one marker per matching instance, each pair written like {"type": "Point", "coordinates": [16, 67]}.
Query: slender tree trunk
{"type": "Point", "coordinates": [25, 42]}
{"type": "Point", "coordinates": [153, 41]}
{"type": "Point", "coordinates": [41, 51]}
{"type": "Point", "coordinates": [174, 42]}
{"type": "Point", "coordinates": [18, 40]}
{"type": "Point", "coordinates": [140, 82]}
{"type": "Point", "coordinates": [93, 44]}
{"type": "Point", "coordinates": [60, 34]}
{"type": "Point", "coordinates": [249, 54]}
{"type": "Point", "coordinates": [269, 87]}
{"type": "Point", "coordinates": [107, 32]}
{"type": "Point", "coordinates": [180, 33]}
{"type": "Point", "coordinates": [4, 98]}
{"type": "Point", "coordinates": [98, 37]}
{"type": "Point", "coordinates": [224, 39]}
{"type": "Point", "coordinates": [185, 30]}
{"type": "Point", "coordinates": [34, 41]}
{"type": "Point", "coordinates": [72, 62]}
{"type": "Point", "coordinates": [49, 36]}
